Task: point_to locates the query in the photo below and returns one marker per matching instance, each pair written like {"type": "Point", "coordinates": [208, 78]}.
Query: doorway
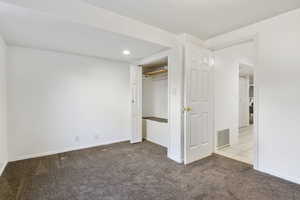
{"type": "Point", "coordinates": [243, 149]}
{"type": "Point", "coordinates": [235, 126]}
{"type": "Point", "coordinates": [156, 101]}
{"type": "Point", "coordinates": [155, 110]}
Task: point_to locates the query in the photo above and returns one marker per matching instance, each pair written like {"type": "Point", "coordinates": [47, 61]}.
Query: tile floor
{"type": "Point", "coordinates": [243, 150]}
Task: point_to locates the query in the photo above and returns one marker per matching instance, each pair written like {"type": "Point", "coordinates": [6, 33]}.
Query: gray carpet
{"type": "Point", "coordinates": [142, 171]}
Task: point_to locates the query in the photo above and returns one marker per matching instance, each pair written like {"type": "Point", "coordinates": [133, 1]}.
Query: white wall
{"type": "Point", "coordinates": [277, 83]}
{"type": "Point", "coordinates": [227, 63]}
{"type": "Point", "coordinates": [3, 133]}
{"type": "Point", "coordinates": [59, 102]}
{"type": "Point", "coordinates": [155, 96]}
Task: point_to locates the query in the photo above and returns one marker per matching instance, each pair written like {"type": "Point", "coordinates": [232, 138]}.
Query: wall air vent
{"type": "Point", "coordinates": [223, 138]}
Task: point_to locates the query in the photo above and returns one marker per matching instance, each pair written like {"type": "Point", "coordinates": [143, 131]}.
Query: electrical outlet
{"type": "Point", "coordinates": [96, 137]}
{"type": "Point", "coordinates": [77, 139]}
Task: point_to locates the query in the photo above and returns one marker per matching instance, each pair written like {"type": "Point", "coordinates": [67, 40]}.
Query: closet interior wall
{"type": "Point", "coordinates": [155, 103]}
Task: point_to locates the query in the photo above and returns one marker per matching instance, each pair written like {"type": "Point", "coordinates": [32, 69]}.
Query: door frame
{"type": "Point", "coordinates": [175, 94]}
{"type": "Point", "coordinates": [255, 39]}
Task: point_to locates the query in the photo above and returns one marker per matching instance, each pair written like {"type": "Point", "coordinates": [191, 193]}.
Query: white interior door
{"type": "Point", "coordinates": [243, 102]}
{"type": "Point", "coordinates": [136, 103]}
{"type": "Point", "coordinates": [198, 128]}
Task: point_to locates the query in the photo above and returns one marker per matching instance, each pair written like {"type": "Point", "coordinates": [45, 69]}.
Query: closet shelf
{"type": "Point", "coordinates": [156, 72]}
{"type": "Point", "coordinates": [157, 119]}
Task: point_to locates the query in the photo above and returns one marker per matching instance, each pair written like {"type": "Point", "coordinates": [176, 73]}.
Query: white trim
{"type": "Point", "coordinates": [176, 158]}
{"type": "Point", "coordinates": [3, 168]}
{"type": "Point", "coordinates": [67, 149]}
{"type": "Point", "coordinates": [233, 43]}
{"type": "Point", "coordinates": [256, 104]}
{"type": "Point", "coordinates": [175, 91]}
{"type": "Point", "coordinates": [187, 38]}
{"type": "Point", "coordinates": [279, 175]}
{"type": "Point", "coordinates": [59, 51]}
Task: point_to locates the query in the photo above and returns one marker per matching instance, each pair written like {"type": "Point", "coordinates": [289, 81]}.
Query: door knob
{"type": "Point", "coordinates": [187, 109]}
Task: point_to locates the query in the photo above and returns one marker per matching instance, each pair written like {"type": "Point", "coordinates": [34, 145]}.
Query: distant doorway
{"type": "Point", "coordinates": [243, 148]}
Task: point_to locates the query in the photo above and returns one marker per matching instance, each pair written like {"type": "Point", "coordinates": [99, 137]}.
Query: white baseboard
{"type": "Point", "coordinates": [175, 158]}
{"type": "Point", "coordinates": [2, 167]}
{"type": "Point", "coordinates": [279, 175]}
{"type": "Point", "coordinates": [67, 149]}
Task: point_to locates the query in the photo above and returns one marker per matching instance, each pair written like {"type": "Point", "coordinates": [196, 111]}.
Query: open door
{"type": "Point", "coordinates": [198, 124]}
{"type": "Point", "coordinates": [136, 103]}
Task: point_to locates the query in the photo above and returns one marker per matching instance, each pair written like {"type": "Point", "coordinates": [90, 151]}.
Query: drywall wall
{"type": "Point", "coordinates": [3, 133]}
{"type": "Point", "coordinates": [277, 91]}
{"type": "Point", "coordinates": [59, 102]}
{"type": "Point", "coordinates": [155, 96]}
{"type": "Point", "coordinates": [226, 84]}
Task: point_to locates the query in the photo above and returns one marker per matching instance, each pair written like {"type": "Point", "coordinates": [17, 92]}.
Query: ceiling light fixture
{"type": "Point", "coordinates": [126, 52]}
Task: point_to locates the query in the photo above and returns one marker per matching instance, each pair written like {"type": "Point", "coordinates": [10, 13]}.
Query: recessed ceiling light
{"type": "Point", "coordinates": [126, 52]}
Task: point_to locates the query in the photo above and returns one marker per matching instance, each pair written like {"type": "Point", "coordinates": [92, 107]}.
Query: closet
{"type": "Point", "coordinates": [155, 102]}
{"type": "Point", "coordinates": [171, 101]}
